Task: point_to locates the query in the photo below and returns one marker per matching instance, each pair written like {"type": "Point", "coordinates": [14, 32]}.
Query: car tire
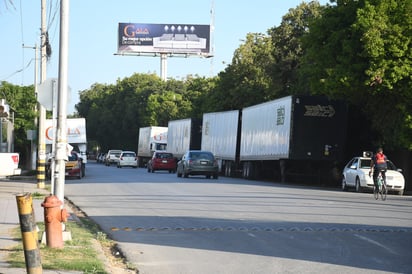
{"type": "Point", "coordinates": [358, 187]}
{"type": "Point", "coordinates": [344, 186]}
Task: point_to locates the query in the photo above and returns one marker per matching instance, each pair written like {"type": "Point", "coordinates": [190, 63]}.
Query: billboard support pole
{"type": "Point", "coordinates": [163, 66]}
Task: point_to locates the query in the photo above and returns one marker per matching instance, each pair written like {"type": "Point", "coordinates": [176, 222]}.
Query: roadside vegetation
{"type": "Point", "coordinates": [89, 251]}
{"type": "Point", "coordinates": [356, 51]}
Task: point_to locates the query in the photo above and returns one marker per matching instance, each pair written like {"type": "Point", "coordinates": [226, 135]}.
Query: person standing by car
{"type": "Point", "coordinates": [378, 164]}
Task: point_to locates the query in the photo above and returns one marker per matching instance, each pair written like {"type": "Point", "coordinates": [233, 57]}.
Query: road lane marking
{"type": "Point", "coordinates": [375, 243]}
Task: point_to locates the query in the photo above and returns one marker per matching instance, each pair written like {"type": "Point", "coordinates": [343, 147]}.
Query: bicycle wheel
{"type": "Point", "coordinates": [375, 193]}
{"type": "Point", "coordinates": [384, 192]}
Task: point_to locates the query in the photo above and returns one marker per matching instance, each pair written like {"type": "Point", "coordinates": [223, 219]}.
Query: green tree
{"type": "Point", "coordinates": [361, 51]}
{"type": "Point", "coordinates": [198, 92]}
{"type": "Point", "coordinates": [386, 28]}
{"type": "Point", "coordinates": [22, 102]}
{"type": "Point", "coordinates": [287, 47]}
{"type": "Point", "coordinates": [114, 113]}
{"type": "Point", "coordinates": [168, 104]}
{"type": "Point", "coordinates": [246, 80]}
{"type": "Point", "coordinates": [266, 67]}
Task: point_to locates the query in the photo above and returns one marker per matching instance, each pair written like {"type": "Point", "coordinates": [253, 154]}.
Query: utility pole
{"type": "Point", "coordinates": [41, 154]}
{"type": "Point", "coordinates": [61, 141]}
{"type": "Point", "coordinates": [36, 68]}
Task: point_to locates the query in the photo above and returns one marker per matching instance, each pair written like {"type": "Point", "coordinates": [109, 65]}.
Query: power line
{"type": "Point", "coordinates": [18, 71]}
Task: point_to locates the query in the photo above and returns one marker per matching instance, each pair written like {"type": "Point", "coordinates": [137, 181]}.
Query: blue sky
{"type": "Point", "coordinates": [93, 27]}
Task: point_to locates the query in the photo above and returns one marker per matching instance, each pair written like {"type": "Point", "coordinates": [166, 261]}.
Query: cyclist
{"type": "Point", "coordinates": [378, 164]}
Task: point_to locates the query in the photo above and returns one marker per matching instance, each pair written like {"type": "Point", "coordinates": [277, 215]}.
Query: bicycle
{"type": "Point", "coordinates": [382, 189]}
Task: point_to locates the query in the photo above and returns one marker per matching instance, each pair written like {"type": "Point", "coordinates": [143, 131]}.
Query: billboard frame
{"type": "Point", "coordinates": [165, 40]}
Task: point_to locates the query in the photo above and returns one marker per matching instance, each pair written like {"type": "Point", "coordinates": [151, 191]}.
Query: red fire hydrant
{"type": "Point", "coordinates": [53, 218]}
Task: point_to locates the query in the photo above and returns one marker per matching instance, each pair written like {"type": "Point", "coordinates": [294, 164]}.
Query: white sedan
{"type": "Point", "coordinates": [127, 158]}
{"type": "Point", "coordinates": [356, 175]}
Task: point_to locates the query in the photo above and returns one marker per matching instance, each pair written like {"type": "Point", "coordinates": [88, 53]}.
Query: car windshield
{"type": "Point", "coordinates": [73, 157]}
{"type": "Point", "coordinates": [128, 154]}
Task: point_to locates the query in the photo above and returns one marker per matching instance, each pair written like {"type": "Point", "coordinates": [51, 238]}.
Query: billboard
{"type": "Point", "coordinates": [76, 131]}
{"type": "Point", "coordinates": [164, 38]}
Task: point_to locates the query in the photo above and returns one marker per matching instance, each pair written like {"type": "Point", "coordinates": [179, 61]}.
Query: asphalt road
{"type": "Point", "coordinates": [165, 224]}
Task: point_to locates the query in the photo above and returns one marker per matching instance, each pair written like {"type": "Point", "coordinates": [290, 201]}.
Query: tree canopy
{"type": "Point", "coordinates": [361, 51]}
{"type": "Point", "coordinates": [22, 102]}
{"type": "Point", "coordinates": [358, 51]}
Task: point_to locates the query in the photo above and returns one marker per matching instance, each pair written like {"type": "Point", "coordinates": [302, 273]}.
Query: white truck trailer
{"type": "Point", "coordinates": [76, 137]}
{"type": "Point", "coordinates": [293, 136]}
{"type": "Point", "coordinates": [282, 139]}
{"type": "Point", "coordinates": [9, 164]}
{"type": "Point", "coordinates": [151, 139]}
{"type": "Point", "coordinates": [221, 136]}
{"type": "Point", "coordinates": [184, 135]}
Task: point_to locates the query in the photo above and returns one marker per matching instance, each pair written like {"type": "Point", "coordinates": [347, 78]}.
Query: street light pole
{"type": "Point", "coordinates": [61, 141]}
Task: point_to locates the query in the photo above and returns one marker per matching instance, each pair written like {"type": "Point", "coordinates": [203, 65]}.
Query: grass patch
{"type": "Point", "coordinates": [38, 196]}
{"type": "Point", "coordinates": [78, 254]}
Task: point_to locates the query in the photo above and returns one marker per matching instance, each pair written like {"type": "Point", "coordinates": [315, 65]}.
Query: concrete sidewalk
{"type": "Point", "coordinates": [9, 217]}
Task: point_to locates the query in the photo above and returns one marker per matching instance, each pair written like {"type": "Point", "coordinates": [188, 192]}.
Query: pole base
{"type": "Point", "coordinates": [67, 236]}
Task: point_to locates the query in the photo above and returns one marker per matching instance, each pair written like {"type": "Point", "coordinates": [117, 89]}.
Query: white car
{"type": "Point", "coordinates": [112, 157]}
{"type": "Point", "coordinates": [127, 158]}
{"type": "Point", "coordinates": [356, 175]}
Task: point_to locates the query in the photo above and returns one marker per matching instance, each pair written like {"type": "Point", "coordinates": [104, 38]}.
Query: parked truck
{"type": "Point", "coordinates": [76, 138]}
{"type": "Point", "coordinates": [9, 164]}
{"type": "Point", "coordinates": [284, 138]}
{"type": "Point", "coordinates": [184, 135]}
{"type": "Point", "coordinates": [151, 139]}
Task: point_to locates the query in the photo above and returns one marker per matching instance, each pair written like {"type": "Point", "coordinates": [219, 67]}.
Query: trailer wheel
{"type": "Point", "coordinates": [246, 170]}
{"type": "Point", "coordinates": [249, 170]}
{"type": "Point", "coordinates": [228, 169]}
